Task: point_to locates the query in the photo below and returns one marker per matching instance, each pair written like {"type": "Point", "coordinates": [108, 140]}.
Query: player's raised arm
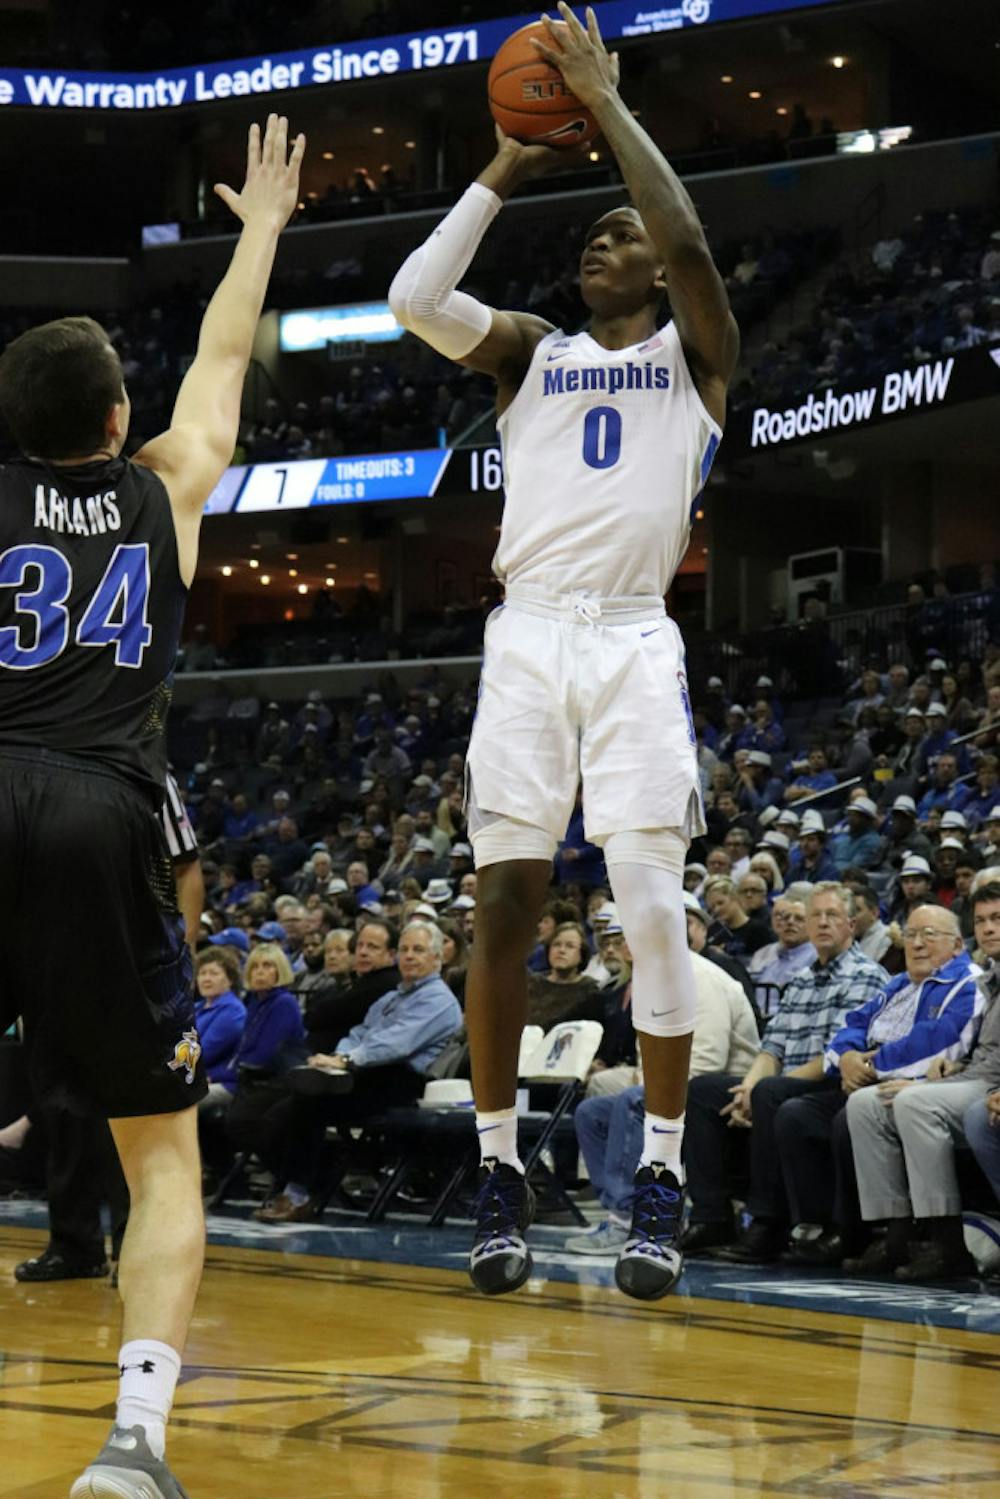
{"type": "Point", "coordinates": [194, 453]}
{"type": "Point", "coordinates": [423, 296]}
{"type": "Point", "coordinates": [697, 292]}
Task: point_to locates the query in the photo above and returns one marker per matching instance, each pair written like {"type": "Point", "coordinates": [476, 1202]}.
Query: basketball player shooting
{"type": "Point", "coordinates": [608, 436]}
{"type": "Point", "coordinates": [96, 555]}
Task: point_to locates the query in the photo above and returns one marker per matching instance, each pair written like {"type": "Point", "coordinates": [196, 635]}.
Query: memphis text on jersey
{"type": "Point", "coordinates": [93, 516]}
{"type": "Point", "coordinates": [609, 377]}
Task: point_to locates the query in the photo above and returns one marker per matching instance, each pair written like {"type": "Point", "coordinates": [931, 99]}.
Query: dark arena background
{"type": "Point", "coordinates": [840, 606]}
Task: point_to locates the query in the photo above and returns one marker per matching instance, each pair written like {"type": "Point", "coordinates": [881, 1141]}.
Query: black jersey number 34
{"type": "Point", "coordinates": [117, 613]}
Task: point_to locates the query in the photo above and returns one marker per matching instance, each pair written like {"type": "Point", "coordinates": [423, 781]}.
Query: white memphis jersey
{"type": "Point", "coordinates": [605, 452]}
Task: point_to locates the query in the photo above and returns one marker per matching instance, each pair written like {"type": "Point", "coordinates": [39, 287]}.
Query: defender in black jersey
{"type": "Point", "coordinates": [96, 555]}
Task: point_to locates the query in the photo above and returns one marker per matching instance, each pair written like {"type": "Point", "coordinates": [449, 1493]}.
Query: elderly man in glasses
{"type": "Point", "coordinates": [904, 1128]}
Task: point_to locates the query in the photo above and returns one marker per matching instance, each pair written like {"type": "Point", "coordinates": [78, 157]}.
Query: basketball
{"type": "Point", "coordinates": [529, 99]}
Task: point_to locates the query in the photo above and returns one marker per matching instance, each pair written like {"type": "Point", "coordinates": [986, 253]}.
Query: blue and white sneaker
{"type": "Point", "coordinates": [125, 1468]}
{"type": "Point", "coordinates": [504, 1208]}
{"type": "Point", "coordinates": [650, 1263]}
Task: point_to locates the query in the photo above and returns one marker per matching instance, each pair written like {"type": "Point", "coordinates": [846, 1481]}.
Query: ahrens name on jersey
{"type": "Point", "coordinates": [93, 515]}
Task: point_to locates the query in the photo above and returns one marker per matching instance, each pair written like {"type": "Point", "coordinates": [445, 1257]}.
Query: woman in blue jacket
{"type": "Point", "coordinates": [274, 1028]}
{"type": "Point", "coordinates": [220, 1017]}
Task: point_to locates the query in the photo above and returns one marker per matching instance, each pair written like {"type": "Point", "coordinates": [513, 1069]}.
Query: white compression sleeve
{"type": "Point", "coordinates": [423, 296]}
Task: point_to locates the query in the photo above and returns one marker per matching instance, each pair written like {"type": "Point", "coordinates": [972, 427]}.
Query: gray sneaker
{"type": "Point", "coordinates": [125, 1468]}
{"type": "Point", "coordinates": [606, 1238]}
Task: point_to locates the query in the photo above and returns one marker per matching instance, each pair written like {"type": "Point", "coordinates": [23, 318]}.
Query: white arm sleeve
{"type": "Point", "coordinates": [423, 296]}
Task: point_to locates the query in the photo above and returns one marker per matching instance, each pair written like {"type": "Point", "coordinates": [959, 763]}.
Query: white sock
{"type": "Point", "coordinates": [148, 1377]}
{"type": "Point", "coordinates": [498, 1136]}
{"type": "Point", "coordinates": [661, 1141]}
{"type": "Point", "coordinates": [297, 1195]}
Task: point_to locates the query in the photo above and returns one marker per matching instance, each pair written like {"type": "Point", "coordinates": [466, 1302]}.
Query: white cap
{"type": "Point", "coordinates": [905, 804]}
{"type": "Point", "coordinates": [993, 815]}
{"type": "Point", "coordinates": [774, 840]}
{"type": "Point", "coordinates": [607, 912]}
{"type": "Point", "coordinates": [764, 682]}
{"type": "Point", "coordinates": [759, 757]}
{"type": "Point", "coordinates": [424, 910]}
{"type": "Point", "coordinates": [913, 713]}
{"type": "Point", "coordinates": [738, 708]}
{"type": "Point", "coordinates": [462, 903]}
{"type": "Point", "coordinates": [787, 818]}
{"type": "Point", "coordinates": [714, 682]}
{"type": "Point", "coordinates": [936, 710]}
{"type": "Point", "coordinates": [937, 664]}
{"type": "Point", "coordinates": [863, 804]}
{"type": "Point", "coordinates": [914, 864]}
{"type": "Point", "coordinates": [691, 903]}
{"type": "Point", "coordinates": [952, 843]}
{"type": "Point", "coordinates": [954, 819]}
{"type": "Point", "coordinates": [438, 892]}
{"type": "Point", "coordinates": [769, 815]}
{"type": "Point", "coordinates": [422, 846]}
{"type": "Point", "coordinates": [812, 822]}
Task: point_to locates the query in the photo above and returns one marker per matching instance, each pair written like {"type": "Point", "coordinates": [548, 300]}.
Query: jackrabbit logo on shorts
{"type": "Point", "coordinates": [186, 1054]}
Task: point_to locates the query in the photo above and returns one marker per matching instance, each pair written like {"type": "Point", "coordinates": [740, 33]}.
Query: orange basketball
{"type": "Point", "coordinates": [530, 101]}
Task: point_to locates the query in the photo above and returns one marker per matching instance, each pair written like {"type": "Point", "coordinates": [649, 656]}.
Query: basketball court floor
{"type": "Point", "coordinates": [337, 1359]}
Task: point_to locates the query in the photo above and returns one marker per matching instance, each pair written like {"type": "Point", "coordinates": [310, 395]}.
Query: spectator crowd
{"type": "Point", "coordinates": [843, 916]}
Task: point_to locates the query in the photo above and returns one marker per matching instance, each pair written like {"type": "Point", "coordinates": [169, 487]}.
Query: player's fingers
{"type": "Point", "coordinates": [570, 19]}
{"type": "Point", "coordinates": [615, 68]}
{"type": "Point", "coordinates": [556, 31]}
{"type": "Point", "coordinates": [267, 145]}
{"type": "Point", "coordinates": [281, 142]}
{"type": "Point", "coordinates": [298, 151]}
{"type": "Point", "coordinates": [549, 53]}
{"type": "Point", "coordinates": [593, 30]}
{"type": "Point", "coordinates": [253, 148]}
{"type": "Point", "coordinates": [227, 195]}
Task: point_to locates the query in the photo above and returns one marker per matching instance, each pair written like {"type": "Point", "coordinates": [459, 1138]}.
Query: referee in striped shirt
{"type": "Point", "coordinates": [182, 841]}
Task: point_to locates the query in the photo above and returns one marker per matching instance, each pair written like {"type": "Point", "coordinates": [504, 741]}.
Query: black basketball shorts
{"type": "Point", "coordinates": [92, 954]}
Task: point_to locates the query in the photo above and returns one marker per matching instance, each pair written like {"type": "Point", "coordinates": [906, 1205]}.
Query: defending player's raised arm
{"type": "Point", "coordinates": [423, 296]}
{"type": "Point", "coordinates": [194, 453]}
{"type": "Point", "coordinates": [698, 296]}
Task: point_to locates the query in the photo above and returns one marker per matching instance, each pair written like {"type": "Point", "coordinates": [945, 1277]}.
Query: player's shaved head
{"type": "Point", "coordinates": [627, 211]}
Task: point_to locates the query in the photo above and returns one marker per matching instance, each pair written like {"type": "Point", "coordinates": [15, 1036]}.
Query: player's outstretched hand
{"type": "Point", "coordinates": [590, 71]}
{"type": "Point", "coordinates": [271, 191]}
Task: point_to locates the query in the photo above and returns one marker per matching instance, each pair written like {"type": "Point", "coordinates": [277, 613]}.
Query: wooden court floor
{"type": "Point", "coordinates": [312, 1378]}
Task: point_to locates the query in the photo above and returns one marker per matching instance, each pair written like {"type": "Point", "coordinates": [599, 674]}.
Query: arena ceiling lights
{"type": "Point", "coordinates": [288, 72]}
{"type": "Point", "coordinates": [354, 323]}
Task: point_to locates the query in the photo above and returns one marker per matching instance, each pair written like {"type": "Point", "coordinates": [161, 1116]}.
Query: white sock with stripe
{"type": "Point", "coordinates": [498, 1137]}
{"type": "Point", "coordinates": [661, 1142]}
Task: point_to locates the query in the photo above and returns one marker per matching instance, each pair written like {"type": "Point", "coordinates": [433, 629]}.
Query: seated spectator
{"type": "Point", "coordinates": [758, 787]}
{"type": "Point", "coordinates": [968, 864]}
{"type": "Point", "coordinates": [810, 860]}
{"type": "Point", "coordinates": [753, 893]}
{"type": "Point", "coordinates": [729, 740]}
{"type": "Point", "coordinates": [385, 1057]}
{"type": "Point", "coordinates": [928, 1013]}
{"type": "Point", "coordinates": [903, 1131]}
{"type": "Point", "coordinates": [860, 844]}
{"type": "Point", "coordinates": [555, 913]}
{"type": "Point", "coordinates": [737, 933]}
{"type": "Point", "coordinates": [872, 935]}
{"type": "Point", "coordinates": [220, 1017]}
{"type": "Point", "coordinates": [730, 1120]}
{"type": "Point", "coordinates": [609, 1126]}
{"type": "Point", "coordinates": [563, 993]}
{"type": "Point", "coordinates": [773, 966]}
{"type": "Point", "coordinates": [454, 955]}
{"type": "Point", "coordinates": [914, 888]}
{"type": "Point", "coordinates": [908, 760]}
{"type": "Point", "coordinates": [984, 794]}
{"type": "Point", "coordinates": [946, 792]}
{"type": "Point", "coordinates": [763, 732]}
{"type": "Point", "coordinates": [273, 1030]}
{"type": "Point", "coordinates": [698, 924]}
{"type": "Point", "coordinates": [903, 837]}
{"type": "Point", "coordinates": [815, 775]}
{"type": "Point", "coordinates": [260, 881]}
{"type": "Point", "coordinates": [765, 867]}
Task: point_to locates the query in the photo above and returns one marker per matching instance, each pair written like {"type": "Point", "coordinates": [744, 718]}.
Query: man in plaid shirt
{"type": "Point", "coordinates": [730, 1123]}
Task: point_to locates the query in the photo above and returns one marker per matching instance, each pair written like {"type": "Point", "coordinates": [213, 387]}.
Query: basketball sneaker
{"type": "Point", "coordinates": [504, 1207]}
{"type": "Point", "coordinates": [650, 1263]}
{"type": "Point", "coordinates": [125, 1468]}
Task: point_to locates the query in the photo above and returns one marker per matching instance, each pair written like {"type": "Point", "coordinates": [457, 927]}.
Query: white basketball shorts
{"type": "Point", "coordinates": [576, 688]}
